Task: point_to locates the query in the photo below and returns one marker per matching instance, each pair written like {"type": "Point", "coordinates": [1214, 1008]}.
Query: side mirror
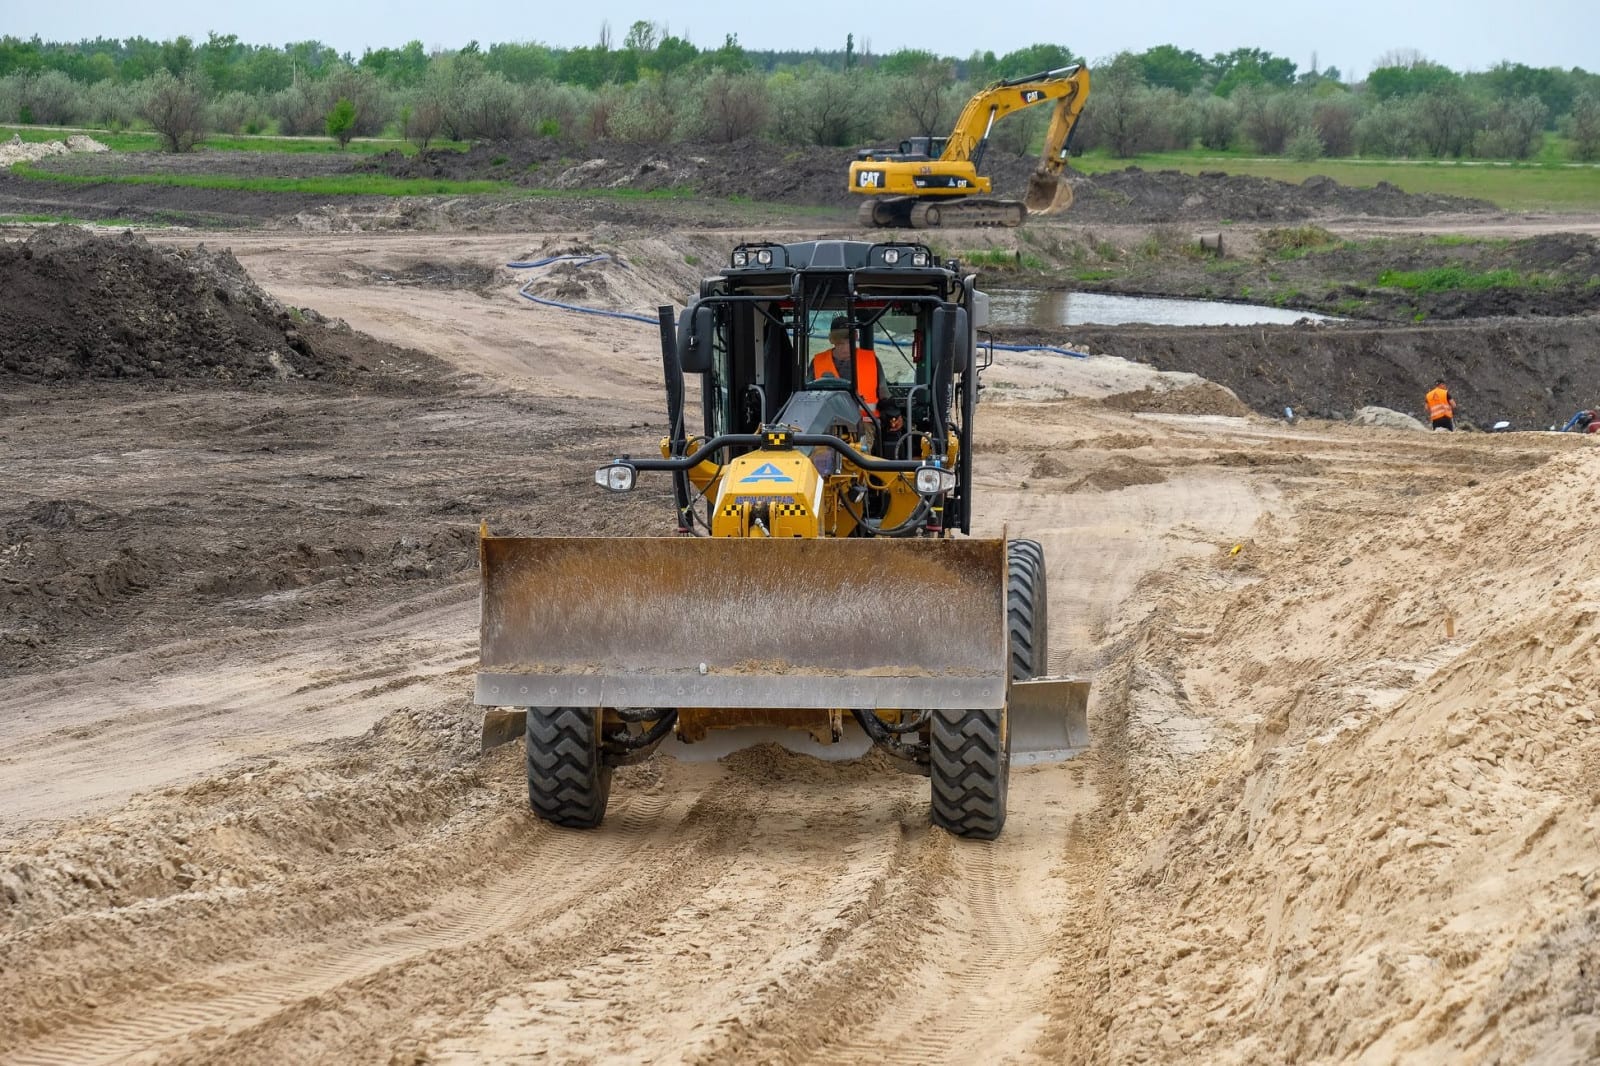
{"type": "Point", "coordinates": [942, 340]}
{"type": "Point", "coordinates": [695, 329]}
{"type": "Point", "coordinates": [961, 343]}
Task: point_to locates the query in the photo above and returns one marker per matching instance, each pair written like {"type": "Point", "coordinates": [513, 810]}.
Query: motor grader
{"type": "Point", "coordinates": [822, 591]}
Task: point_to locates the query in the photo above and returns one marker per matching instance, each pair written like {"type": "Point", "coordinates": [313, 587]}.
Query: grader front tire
{"type": "Point", "coordinates": [970, 764]}
{"type": "Point", "coordinates": [568, 782]}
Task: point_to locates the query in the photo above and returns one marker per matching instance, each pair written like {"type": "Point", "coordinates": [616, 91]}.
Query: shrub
{"type": "Point", "coordinates": [490, 108]}
{"type": "Point", "coordinates": [113, 106]}
{"type": "Point", "coordinates": [1335, 122]}
{"type": "Point", "coordinates": [733, 107]}
{"type": "Point", "coordinates": [1583, 128]}
{"type": "Point", "coordinates": [1269, 119]}
{"type": "Point", "coordinates": [341, 122]}
{"type": "Point", "coordinates": [176, 109]}
{"type": "Point", "coordinates": [1215, 120]}
{"type": "Point", "coordinates": [1513, 129]}
{"type": "Point", "coordinates": [236, 112]}
{"type": "Point", "coordinates": [1305, 146]}
{"type": "Point", "coordinates": [421, 121]}
{"type": "Point", "coordinates": [50, 98]}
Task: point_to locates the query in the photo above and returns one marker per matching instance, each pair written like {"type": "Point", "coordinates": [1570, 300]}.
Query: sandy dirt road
{"type": "Point", "coordinates": [246, 821]}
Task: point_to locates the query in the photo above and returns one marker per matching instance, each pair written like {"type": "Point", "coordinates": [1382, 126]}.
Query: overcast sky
{"type": "Point", "coordinates": [1462, 34]}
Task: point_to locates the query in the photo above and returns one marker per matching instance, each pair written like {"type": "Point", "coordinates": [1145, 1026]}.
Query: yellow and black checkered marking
{"type": "Point", "coordinates": [777, 438]}
{"type": "Point", "coordinates": [777, 510]}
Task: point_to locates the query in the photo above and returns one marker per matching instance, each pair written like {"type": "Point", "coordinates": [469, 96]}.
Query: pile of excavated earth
{"type": "Point", "coordinates": [83, 306]}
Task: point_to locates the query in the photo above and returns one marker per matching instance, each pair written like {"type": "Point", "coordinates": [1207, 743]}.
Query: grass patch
{"type": "Point", "coordinates": [148, 141]}
{"type": "Point", "coordinates": [69, 220]}
{"type": "Point", "coordinates": [1000, 259]}
{"type": "Point", "coordinates": [335, 185]}
{"type": "Point", "coordinates": [1453, 240]}
{"type": "Point", "coordinates": [1536, 186]}
{"type": "Point", "coordinates": [1094, 275]}
{"type": "Point", "coordinates": [1294, 242]}
{"type": "Point", "coordinates": [349, 185]}
{"type": "Point", "coordinates": [1452, 278]}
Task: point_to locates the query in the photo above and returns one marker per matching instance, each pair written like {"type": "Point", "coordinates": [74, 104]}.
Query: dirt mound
{"type": "Point", "coordinates": [79, 305]}
{"type": "Point", "coordinates": [1382, 416]}
{"type": "Point", "coordinates": [1136, 195]}
{"type": "Point", "coordinates": [1202, 399]}
{"type": "Point", "coordinates": [761, 171]}
{"type": "Point", "coordinates": [1534, 372]}
{"type": "Point", "coordinates": [1391, 824]}
{"type": "Point", "coordinates": [19, 151]}
{"type": "Point", "coordinates": [754, 170]}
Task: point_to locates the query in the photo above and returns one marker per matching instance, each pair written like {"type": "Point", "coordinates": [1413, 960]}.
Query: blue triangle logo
{"type": "Point", "coordinates": [766, 472]}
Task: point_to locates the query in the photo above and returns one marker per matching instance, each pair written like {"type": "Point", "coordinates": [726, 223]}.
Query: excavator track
{"type": "Point", "coordinates": [906, 212]}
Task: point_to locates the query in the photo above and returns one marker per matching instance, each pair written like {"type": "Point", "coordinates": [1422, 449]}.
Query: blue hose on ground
{"type": "Point", "coordinates": [585, 260]}
{"type": "Point", "coordinates": [582, 260]}
{"type": "Point", "coordinates": [1038, 348]}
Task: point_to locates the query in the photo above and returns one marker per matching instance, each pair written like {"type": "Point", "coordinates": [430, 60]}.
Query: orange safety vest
{"type": "Point", "coordinates": [866, 373]}
{"type": "Point", "coordinates": [1439, 404]}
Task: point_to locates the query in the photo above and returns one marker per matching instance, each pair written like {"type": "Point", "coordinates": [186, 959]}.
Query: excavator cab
{"type": "Point", "coordinates": [819, 594]}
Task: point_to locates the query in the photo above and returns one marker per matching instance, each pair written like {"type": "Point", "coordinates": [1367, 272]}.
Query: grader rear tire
{"type": "Point", "coordinates": [1027, 610]}
{"type": "Point", "coordinates": [568, 783]}
{"type": "Point", "coordinates": [970, 764]}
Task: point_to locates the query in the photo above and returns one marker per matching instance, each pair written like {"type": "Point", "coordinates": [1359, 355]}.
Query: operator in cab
{"type": "Point", "coordinates": [872, 386]}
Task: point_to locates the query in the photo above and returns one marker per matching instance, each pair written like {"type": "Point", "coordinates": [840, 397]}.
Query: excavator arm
{"type": "Point", "coordinates": [1068, 86]}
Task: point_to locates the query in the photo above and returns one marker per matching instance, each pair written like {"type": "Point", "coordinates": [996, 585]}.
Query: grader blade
{"type": "Point", "coordinates": [1049, 719]}
{"type": "Point", "coordinates": [747, 625]}
{"type": "Point", "coordinates": [1048, 194]}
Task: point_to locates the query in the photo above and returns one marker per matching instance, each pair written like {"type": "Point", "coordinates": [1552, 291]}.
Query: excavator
{"type": "Point", "coordinates": [934, 181]}
{"type": "Point", "coordinates": [822, 590]}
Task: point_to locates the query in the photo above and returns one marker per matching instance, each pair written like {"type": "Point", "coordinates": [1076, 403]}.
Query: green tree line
{"type": "Point", "coordinates": [654, 86]}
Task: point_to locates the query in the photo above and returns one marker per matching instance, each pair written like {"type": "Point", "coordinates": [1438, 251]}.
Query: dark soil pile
{"type": "Point", "coordinates": [761, 171]}
{"type": "Point", "coordinates": [1554, 274]}
{"type": "Point", "coordinates": [79, 305]}
{"type": "Point", "coordinates": [1135, 195]}
{"type": "Point", "coordinates": [1533, 372]}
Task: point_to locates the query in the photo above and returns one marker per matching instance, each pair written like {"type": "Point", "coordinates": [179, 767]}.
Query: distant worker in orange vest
{"type": "Point", "coordinates": [1441, 408]}
{"type": "Point", "coordinates": [872, 385]}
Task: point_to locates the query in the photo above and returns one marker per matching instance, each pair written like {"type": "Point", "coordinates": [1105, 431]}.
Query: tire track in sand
{"type": "Point", "coordinates": [560, 877]}
{"type": "Point", "coordinates": [935, 967]}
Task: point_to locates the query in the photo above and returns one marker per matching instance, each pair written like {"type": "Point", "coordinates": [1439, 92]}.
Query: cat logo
{"type": "Point", "coordinates": [870, 179]}
{"type": "Point", "coordinates": [765, 472]}
{"type": "Point", "coordinates": [1032, 96]}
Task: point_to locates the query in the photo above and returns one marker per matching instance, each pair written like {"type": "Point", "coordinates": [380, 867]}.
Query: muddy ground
{"type": "Point", "coordinates": [1393, 278]}
{"type": "Point", "coordinates": [734, 176]}
{"type": "Point", "coordinates": [1339, 804]}
{"type": "Point", "coordinates": [1532, 372]}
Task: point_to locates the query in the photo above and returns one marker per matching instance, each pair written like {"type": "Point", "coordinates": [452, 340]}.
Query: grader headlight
{"type": "Point", "coordinates": [616, 477]}
{"type": "Point", "coordinates": [935, 481]}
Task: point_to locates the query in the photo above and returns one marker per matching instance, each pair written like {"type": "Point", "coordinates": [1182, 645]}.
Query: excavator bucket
{"type": "Point", "coordinates": [747, 631]}
{"type": "Point", "coordinates": [1048, 194]}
